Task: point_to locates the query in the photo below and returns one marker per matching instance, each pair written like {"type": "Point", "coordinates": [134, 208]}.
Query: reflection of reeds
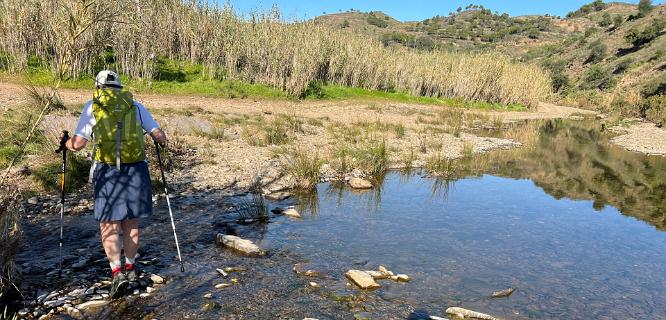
{"type": "Point", "coordinates": [10, 234]}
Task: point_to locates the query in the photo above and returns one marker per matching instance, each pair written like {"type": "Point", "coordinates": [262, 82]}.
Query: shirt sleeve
{"type": "Point", "coordinates": [148, 123]}
{"type": "Point", "coordinates": [86, 122]}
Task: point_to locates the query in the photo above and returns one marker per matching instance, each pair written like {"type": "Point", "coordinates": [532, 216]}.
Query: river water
{"type": "Point", "coordinates": [574, 224]}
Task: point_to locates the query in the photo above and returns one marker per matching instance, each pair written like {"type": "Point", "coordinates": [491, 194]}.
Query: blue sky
{"type": "Point", "coordinates": [410, 10]}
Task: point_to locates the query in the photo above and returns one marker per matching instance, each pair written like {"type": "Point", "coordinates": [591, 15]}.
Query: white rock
{"type": "Point", "coordinates": [150, 289]}
{"type": "Point", "coordinates": [222, 285]}
{"type": "Point", "coordinates": [92, 304]}
{"type": "Point", "coordinates": [239, 244]}
{"type": "Point", "coordinates": [222, 272]}
{"type": "Point", "coordinates": [384, 270]}
{"type": "Point", "coordinates": [359, 183]}
{"type": "Point", "coordinates": [54, 303]}
{"type": "Point", "coordinates": [208, 295]}
{"type": "Point", "coordinates": [402, 278]}
{"type": "Point", "coordinates": [469, 314]}
{"type": "Point", "coordinates": [144, 295]}
{"type": "Point", "coordinates": [313, 284]}
{"type": "Point", "coordinates": [377, 275]}
{"type": "Point", "coordinates": [156, 279]}
{"type": "Point", "coordinates": [362, 279]}
{"type": "Point", "coordinates": [291, 213]}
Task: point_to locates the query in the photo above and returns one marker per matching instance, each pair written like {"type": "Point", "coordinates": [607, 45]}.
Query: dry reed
{"type": "Point", "coordinates": [261, 48]}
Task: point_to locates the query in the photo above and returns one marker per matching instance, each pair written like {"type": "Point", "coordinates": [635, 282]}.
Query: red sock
{"type": "Point", "coordinates": [129, 266]}
{"type": "Point", "coordinates": [115, 272]}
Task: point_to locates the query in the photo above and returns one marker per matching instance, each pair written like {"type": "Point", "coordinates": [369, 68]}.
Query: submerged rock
{"type": "Point", "coordinates": [362, 279]}
{"type": "Point", "coordinates": [222, 285]}
{"type": "Point", "coordinates": [241, 245]}
{"type": "Point", "coordinates": [292, 213]}
{"type": "Point", "coordinates": [468, 314]}
{"type": "Point", "coordinates": [222, 273]}
{"type": "Point", "coordinates": [377, 275]}
{"type": "Point", "coordinates": [359, 183]}
{"type": "Point", "coordinates": [234, 269]}
{"type": "Point", "coordinates": [503, 293]}
{"type": "Point", "coordinates": [278, 196]}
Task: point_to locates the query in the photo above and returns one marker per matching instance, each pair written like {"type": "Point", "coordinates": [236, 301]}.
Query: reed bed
{"type": "Point", "coordinates": [259, 48]}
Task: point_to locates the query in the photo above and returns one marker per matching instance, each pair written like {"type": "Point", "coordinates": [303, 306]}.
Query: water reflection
{"type": "Point", "coordinates": [574, 160]}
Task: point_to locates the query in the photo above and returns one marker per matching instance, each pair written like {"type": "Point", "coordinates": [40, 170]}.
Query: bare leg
{"type": "Point", "coordinates": [111, 239]}
{"type": "Point", "coordinates": [130, 237]}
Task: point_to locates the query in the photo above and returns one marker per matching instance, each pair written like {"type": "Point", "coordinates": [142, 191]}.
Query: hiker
{"type": "Point", "coordinates": [122, 188]}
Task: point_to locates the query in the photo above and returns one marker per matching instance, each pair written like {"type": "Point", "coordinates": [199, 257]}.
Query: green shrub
{"type": "Point", "coordinates": [641, 37]}
{"type": "Point", "coordinates": [655, 87]}
{"type": "Point", "coordinates": [618, 20]}
{"type": "Point", "coordinates": [654, 109]}
{"type": "Point", "coordinates": [644, 8]}
{"type": "Point", "coordinates": [373, 20]}
{"type": "Point", "coordinates": [314, 90]}
{"type": "Point", "coordinates": [606, 20]}
{"type": "Point", "coordinates": [598, 51]}
{"type": "Point", "coordinates": [560, 81]}
{"type": "Point", "coordinates": [623, 65]}
{"type": "Point", "coordinates": [170, 70]}
{"type": "Point", "coordinates": [598, 77]}
{"type": "Point", "coordinates": [5, 60]}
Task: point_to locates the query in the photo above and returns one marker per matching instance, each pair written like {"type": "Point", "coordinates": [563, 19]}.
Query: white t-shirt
{"type": "Point", "coordinates": [87, 120]}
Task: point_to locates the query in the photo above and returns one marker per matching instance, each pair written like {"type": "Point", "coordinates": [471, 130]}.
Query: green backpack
{"type": "Point", "coordinates": [118, 135]}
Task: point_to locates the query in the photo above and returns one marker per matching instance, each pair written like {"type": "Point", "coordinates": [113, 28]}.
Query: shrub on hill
{"type": "Point", "coordinates": [644, 8]}
{"type": "Point", "coordinates": [639, 38]}
{"type": "Point", "coordinates": [597, 5]}
{"type": "Point", "coordinates": [598, 51]}
{"type": "Point", "coordinates": [375, 21]}
{"type": "Point", "coordinates": [598, 77]}
{"type": "Point", "coordinates": [606, 20]}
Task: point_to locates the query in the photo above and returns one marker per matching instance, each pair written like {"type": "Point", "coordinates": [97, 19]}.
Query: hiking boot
{"type": "Point", "coordinates": [119, 285]}
{"type": "Point", "coordinates": [131, 273]}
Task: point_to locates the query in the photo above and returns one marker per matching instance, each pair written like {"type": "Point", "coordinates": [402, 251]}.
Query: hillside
{"type": "Point", "coordinates": [604, 56]}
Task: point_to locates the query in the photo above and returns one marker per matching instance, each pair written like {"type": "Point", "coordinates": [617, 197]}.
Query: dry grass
{"type": "Point", "coordinates": [262, 49]}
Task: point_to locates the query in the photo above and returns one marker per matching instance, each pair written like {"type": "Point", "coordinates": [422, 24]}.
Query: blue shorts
{"type": "Point", "coordinates": [122, 194]}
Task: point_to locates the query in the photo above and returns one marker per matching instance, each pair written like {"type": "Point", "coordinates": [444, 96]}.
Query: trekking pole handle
{"type": "Point", "coordinates": [63, 141]}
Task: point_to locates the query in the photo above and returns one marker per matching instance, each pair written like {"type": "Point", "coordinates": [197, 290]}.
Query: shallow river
{"type": "Point", "coordinates": [509, 221]}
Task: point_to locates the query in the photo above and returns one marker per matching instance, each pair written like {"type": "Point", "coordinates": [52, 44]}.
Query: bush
{"type": "Point", "coordinates": [5, 60]}
{"type": "Point", "coordinates": [623, 65]}
{"type": "Point", "coordinates": [655, 87]}
{"type": "Point", "coordinates": [598, 51]}
{"type": "Point", "coordinates": [654, 109]}
{"type": "Point", "coordinates": [618, 20]}
{"type": "Point", "coordinates": [560, 81]}
{"type": "Point", "coordinates": [377, 22]}
{"type": "Point", "coordinates": [644, 8]}
{"type": "Point", "coordinates": [598, 77]}
{"type": "Point", "coordinates": [315, 90]}
{"type": "Point", "coordinates": [345, 24]}
{"type": "Point", "coordinates": [606, 20]}
{"type": "Point", "coordinates": [639, 38]}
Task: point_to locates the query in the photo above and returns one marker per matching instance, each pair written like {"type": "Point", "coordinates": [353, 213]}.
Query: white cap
{"type": "Point", "coordinates": [107, 78]}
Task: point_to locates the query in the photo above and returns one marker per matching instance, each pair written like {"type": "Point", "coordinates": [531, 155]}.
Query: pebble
{"type": "Point", "coordinates": [223, 273]}
{"type": "Point", "coordinates": [222, 285]}
{"type": "Point", "coordinates": [402, 278]}
{"type": "Point", "coordinates": [244, 246]}
{"type": "Point", "coordinates": [362, 279]}
{"type": "Point", "coordinates": [313, 284]}
{"type": "Point", "coordinates": [359, 183]}
{"type": "Point", "coordinates": [144, 295]}
{"type": "Point", "coordinates": [90, 291]}
{"type": "Point", "coordinates": [92, 304]}
{"type": "Point", "coordinates": [136, 291]}
{"type": "Point", "coordinates": [54, 303]}
{"type": "Point", "coordinates": [208, 296]}
{"type": "Point", "coordinates": [96, 297]}
{"type": "Point", "coordinates": [150, 289]}
{"type": "Point", "coordinates": [234, 269]}
{"type": "Point", "coordinates": [156, 279]}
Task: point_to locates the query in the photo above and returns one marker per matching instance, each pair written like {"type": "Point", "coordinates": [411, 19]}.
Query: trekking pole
{"type": "Point", "coordinates": [63, 149]}
{"type": "Point", "coordinates": [166, 193]}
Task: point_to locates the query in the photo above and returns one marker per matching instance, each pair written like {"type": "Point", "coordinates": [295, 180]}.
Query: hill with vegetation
{"type": "Point", "coordinates": [605, 56]}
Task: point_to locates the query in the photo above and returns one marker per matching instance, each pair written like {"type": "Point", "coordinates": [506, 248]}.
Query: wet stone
{"type": "Point", "coordinates": [362, 279]}
{"type": "Point", "coordinates": [292, 213]}
{"type": "Point", "coordinates": [241, 245]}
{"type": "Point", "coordinates": [278, 196]}
{"type": "Point", "coordinates": [359, 183]}
{"type": "Point", "coordinates": [156, 279]}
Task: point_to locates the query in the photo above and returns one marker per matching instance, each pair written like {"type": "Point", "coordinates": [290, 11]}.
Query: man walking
{"type": "Point", "coordinates": [122, 188]}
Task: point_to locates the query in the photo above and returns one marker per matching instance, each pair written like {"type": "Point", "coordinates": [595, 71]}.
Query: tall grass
{"type": "Point", "coordinates": [259, 49]}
